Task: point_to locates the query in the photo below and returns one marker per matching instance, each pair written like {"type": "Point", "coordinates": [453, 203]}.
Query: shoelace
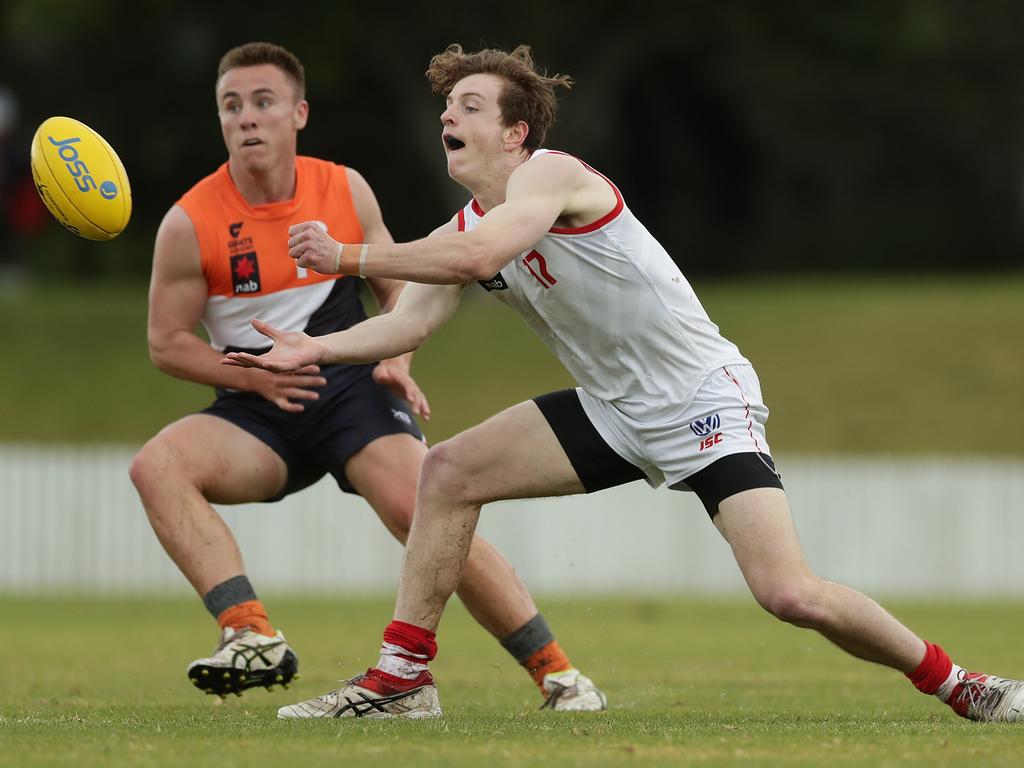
{"type": "Point", "coordinates": [984, 696]}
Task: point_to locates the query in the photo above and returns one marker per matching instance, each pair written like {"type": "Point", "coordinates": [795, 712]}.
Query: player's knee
{"type": "Point", "coordinates": [153, 467]}
{"type": "Point", "coordinates": [145, 468]}
{"type": "Point", "coordinates": [442, 473]}
{"type": "Point", "coordinates": [796, 604]}
{"type": "Point", "coordinates": [399, 517]}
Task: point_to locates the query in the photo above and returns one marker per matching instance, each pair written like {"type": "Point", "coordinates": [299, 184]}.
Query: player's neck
{"type": "Point", "coordinates": [258, 187]}
{"type": "Point", "coordinates": [490, 188]}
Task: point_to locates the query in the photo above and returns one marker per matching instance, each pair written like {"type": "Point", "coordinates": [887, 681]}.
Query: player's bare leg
{"type": "Point", "coordinates": [386, 473]}
{"type": "Point", "coordinates": [758, 526]}
{"type": "Point", "coordinates": [195, 461]}
{"type": "Point", "coordinates": [511, 455]}
{"type": "Point", "coordinates": [189, 464]}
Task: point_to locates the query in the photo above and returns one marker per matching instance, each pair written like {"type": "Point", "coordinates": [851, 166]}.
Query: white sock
{"type": "Point", "coordinates": [946, 689]}
{"type": "Point", "coordinates": [394, 659]}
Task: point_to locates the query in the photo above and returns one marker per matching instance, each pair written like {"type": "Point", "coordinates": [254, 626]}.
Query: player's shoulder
{"type": "Point", "coordinates": [551, 166]}
{"type": "Point", "coordinates": [327, 176]}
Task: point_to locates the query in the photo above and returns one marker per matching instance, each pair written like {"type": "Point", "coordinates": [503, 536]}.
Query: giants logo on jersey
{"type": "Point", "coordinates": [245, 273]}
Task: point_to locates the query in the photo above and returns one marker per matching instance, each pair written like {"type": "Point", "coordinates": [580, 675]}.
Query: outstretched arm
{"type": "Point", "coordinates": [421, 310]}
{"type": "Point", "coordinates": [538, 193]}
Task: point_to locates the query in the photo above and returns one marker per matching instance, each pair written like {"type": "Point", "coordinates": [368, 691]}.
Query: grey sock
{"type": "Point", "coordinates": [528, 639]}
{"type": "Point", "coordinates": [235, 590]}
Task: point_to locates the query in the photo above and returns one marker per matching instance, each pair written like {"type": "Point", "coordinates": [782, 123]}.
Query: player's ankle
{"type": "Point", "coordinates": [387, 684]}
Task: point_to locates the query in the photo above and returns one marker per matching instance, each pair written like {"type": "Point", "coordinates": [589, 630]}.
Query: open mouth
{"type": "Point", "coordinates": [251, 142]}
{"type": "Point", "coordinates": [453, 144]}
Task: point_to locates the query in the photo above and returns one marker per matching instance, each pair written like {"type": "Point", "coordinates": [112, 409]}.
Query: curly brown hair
{"type": "Point", "coordinates": [528, 95]}
{"type": "Point", "coordinates": [255, 54]}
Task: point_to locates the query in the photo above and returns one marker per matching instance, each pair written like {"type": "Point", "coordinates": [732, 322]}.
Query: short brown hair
{"type": "Point", "coordinates": [255, 54]}
{"type": "Point", "coordinates": [528, 95]}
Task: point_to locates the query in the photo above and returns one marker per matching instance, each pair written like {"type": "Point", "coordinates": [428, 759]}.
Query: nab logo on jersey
{"type": "Point", "coordinates": [496, 283]}
{"type": "Point", "coordinates": [245, 273]}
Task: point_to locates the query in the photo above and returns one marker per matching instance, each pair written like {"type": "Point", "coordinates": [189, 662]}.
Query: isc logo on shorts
{"type": "Point", "coordinates": [710, 441]}
{"type": "Point", "coordinates": [704, 428]}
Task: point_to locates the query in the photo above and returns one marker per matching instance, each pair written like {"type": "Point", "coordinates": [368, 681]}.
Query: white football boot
{"type": "Point", "coordinates": [988, 698]}
{"type": "Point", "coordinates": [353, 700]}
{"type": "Point", "coordinates": [245, 659]}
{"type": "Point", "coordinates": [572, 691]}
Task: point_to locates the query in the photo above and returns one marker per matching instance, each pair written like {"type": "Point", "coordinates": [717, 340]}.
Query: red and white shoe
{"type": "Point", "coordinates": [988, 698]}
{"type": "Point", "coordinates": [374, 697]}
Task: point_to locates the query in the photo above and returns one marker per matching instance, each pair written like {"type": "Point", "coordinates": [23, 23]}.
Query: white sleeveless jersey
{"type": "Point", "coordinates": [611, 304]}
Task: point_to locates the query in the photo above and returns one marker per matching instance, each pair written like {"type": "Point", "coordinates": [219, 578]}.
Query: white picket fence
{"type": "Point", "coordinates": [70, 522]}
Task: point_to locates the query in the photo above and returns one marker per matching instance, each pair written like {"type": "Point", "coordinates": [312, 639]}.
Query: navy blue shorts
{"type": "Point", "coordinates": [353, 411]}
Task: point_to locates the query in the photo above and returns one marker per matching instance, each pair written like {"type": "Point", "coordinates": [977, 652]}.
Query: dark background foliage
{"type": "Point", "coordinates": [751, 137]}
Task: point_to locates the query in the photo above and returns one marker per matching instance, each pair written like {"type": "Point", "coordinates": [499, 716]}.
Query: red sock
{"type": "Point", "coordinates": [933, 670]}
{"type": "Point", "coordinates": [404, 655]}
{"type": "Point", "coordinates": [418, 644]}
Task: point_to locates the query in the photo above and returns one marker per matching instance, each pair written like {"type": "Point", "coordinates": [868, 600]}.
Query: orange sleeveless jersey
{"type": "Point", "coordinates": [244, 255]}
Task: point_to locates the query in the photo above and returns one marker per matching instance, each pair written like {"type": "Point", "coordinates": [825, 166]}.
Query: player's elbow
{"type": "Point", "coordinates": [481, 260]}
{"type": "Point", "coordinates": [162, 353]}
{"type": "Point", "coordinates": [415, 335]}
{"type": "Point", "coordinates": [158, 354]}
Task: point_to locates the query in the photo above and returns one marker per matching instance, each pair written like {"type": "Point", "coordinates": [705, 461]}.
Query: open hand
{"type": "Point", "coordinates": [292, 351]}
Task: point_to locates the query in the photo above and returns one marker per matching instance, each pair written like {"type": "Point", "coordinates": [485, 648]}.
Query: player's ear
{"type": "Point", "coordinates": [514, 135]}
{"type": "Point", "coordinates": [301, 114]}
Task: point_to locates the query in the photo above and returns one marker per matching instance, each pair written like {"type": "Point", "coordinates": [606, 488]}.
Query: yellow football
{"type": "Point", "coordinates": [81, 179]}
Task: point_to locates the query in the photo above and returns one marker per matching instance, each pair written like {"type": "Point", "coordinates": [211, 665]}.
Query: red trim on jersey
{"type": "Point", "coordinates": [594, 225]}
{"type": "Point", "coordinates": [750, 424]}
{"type": "Point", "coordinates": [462, 219]}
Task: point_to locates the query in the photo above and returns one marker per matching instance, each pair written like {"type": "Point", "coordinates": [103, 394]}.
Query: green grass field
{"type": "Point", "coordinates": [101, 683]}
{"type": "Point", "coordinates": [873, 365]}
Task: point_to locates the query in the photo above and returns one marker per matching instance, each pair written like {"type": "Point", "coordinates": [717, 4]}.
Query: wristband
{"type": "Point", "coordinates": [362, 259]}
{"type": "Point", "coordinates": [337, 258]}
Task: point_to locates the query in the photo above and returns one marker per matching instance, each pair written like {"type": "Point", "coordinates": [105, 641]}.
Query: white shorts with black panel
{"type": "Point", "coordinates": [716, 447]}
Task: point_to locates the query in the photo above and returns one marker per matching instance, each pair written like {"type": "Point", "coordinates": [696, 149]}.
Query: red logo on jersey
{"type": "Point", "coordinates": [245, 273]}
{"type": "Point", "coordinates": [544, 278]}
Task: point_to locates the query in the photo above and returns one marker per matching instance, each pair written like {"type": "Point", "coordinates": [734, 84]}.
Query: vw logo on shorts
{"type": "Point", "coordinates": [703, 427]}
{"type": "Point", "coordinates": [401, 416]}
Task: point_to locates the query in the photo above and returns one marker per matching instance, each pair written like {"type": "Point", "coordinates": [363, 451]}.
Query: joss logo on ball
{"type": "Point", "coordinates": [79, 170]}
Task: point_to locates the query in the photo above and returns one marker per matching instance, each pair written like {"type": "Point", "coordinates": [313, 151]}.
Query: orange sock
{"type": "Point", "coordinates": [550, 658]}
{"type": "Point", "coordinates": [248, 615]}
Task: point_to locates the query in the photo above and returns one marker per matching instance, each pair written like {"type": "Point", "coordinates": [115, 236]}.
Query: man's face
{"type": "Point", "coordinates": [472, 133]}
{"type": "Point", "coordinates": [259, 116]}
